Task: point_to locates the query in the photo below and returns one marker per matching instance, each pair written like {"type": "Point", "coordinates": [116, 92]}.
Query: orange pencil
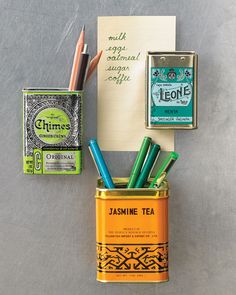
{"type": "Point", "coordinates": [93, 64]}
{"type": "Point", "coordinates": [78, 50]}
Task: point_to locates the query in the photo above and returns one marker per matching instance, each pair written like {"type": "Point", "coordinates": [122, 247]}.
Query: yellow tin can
{"type": "Point", "coordinates": [132, 233]}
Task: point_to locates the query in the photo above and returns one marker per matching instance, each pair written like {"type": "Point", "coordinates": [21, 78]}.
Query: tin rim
{"type": "Point", "coordinates": [38, 90]}
{"type": "Point", "coordinates": [135, 193]}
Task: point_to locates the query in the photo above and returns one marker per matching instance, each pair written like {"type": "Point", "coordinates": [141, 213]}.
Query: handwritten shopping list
{"type": "Point", "coordinates": [118, 71]}
{"type": "Point", "coordinates": [121, 79]}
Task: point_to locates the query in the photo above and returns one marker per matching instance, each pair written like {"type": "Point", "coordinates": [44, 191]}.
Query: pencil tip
{"type": "Point", "coordinates": [83, 28]}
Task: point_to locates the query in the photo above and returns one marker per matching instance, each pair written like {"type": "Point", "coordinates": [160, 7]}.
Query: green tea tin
{"type": "Point", "coordinates": [171, 90]}
{"type": "Point", "coordinates": [52, 135]}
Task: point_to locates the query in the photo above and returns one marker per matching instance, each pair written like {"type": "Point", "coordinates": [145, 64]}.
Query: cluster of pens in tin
{"type": "Point", "coordinates": [143, 166]}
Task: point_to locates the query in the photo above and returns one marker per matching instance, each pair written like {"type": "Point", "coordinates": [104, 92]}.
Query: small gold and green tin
{"type": "Point", "coordinates": [52, 131]}
{"type": "Point", "coordinates": [171, 90]}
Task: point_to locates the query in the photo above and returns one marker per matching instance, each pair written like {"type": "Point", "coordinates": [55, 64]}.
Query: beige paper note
{"type": "Point", "coordinates": [121, 79]}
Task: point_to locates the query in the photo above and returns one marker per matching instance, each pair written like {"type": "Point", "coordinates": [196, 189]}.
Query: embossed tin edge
{"type": "Point", "coordinates": [148, 125]}
{"type": "Point", "coordinates": [44, 90]}
{"type": "Point", "coordinates": [124, 193]}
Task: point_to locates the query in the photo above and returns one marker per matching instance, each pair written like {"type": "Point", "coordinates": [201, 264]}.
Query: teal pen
{"type": "Point", "coordinates": [100, 163]}
{"type": "Point", "coordinates": [147, 167]}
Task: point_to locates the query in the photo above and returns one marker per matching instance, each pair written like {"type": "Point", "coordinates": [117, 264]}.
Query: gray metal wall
{"type": "Point", "coordinates": [47, 224]}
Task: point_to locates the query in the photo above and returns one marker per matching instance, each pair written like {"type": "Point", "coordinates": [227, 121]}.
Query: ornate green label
{"type": "Point", "coordinates": [171, 96]}
{"type": "Point", "coordinates": [52, 125]}
{"type": "Point", "coordinates": [52, 132]}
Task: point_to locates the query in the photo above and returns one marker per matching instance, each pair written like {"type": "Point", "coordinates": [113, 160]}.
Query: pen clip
{"type": "Point", "coordinates": [94, 160]}
{"type": "Point", "coordinates": [160, 179]}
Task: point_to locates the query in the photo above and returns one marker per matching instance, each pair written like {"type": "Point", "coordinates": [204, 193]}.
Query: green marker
{"type": "Point", "coordinates": [147, 167]}
{"type": "Point", "coordinates": [165, 168]}
{"type": "Point", "coordinates": [139, 162]}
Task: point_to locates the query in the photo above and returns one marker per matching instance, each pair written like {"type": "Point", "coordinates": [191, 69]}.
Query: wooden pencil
{"type": "Point", "coordinates": [93, 64]}
{"type": "Point", "coordinates": [77, 56]}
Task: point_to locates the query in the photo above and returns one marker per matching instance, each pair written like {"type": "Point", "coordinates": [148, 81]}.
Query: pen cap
{"type": "Point", "coordinates": [147, 167]}
{"type": "Point", "coordinates": [95, 163]}
{"type": "Point", "coordinates": [154, 150]}
{"type": "Point", "coordinates": [171, 160]}
{"type": "Point", "coordinates": [141, 155]}
{"type": "Point", "coordinates": [98, 157]}
{"type": "Point", "coordinates": [139, 161]}
{"type": "Point", "coordinates": [165, 167]}
{"type": "Point", "coordinates": [100, 163]}
{"type": "Point", "coordinates": [174, 155]}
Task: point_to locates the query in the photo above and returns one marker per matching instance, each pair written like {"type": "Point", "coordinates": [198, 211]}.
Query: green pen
{"type": "Point", "coordinates": [139, 162]}
{"type": "Point", "coordinates": [165, 168]}
{"type": "Point", "coordinates": [147, 167]}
